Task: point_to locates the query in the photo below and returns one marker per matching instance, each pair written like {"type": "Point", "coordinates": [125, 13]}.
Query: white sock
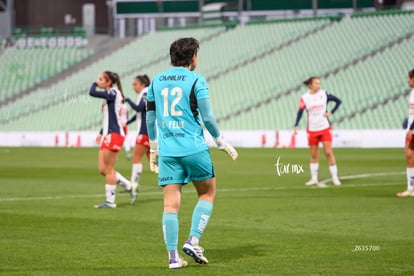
{"type": "Point", "coordinates": [194, 240]}
{"type": "Point", "coordinates": [110, 193]}
{"type": "Point", "coordinates": [173, 255]}
{"type": "Point", "coordinates": [122, 181]}
{"type": "Point", "coordinates": [127, 146]}
{"type": "Point", "coordinates": [136, 172]}
{"type": "Point", "coordinates": [314, 170]}
{"type": "Point", "coordinates": [410, 179]}
{"type": "Point", "coordinates": [334, 171]}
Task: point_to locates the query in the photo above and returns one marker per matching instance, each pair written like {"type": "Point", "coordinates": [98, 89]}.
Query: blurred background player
{"type": "Point", "coordinates": [124, 123]}
{"type": "Point", "coordinates": [175, 98]}
{"type": "Point", "coordinates": [315, 102]}
{"type": "Point", "coordinates": [140, 85]}
{"type": "Point", "coordinates": [112, 135]}
{"type": "Point", "coordinates": [409, 141]}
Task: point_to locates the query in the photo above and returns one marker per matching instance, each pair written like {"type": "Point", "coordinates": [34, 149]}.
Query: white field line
{"type": "Point", "coordinates": [226, 190]}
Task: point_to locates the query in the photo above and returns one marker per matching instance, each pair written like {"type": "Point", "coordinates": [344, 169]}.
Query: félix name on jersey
{"type": "Point", "coordinates": [174, 124]}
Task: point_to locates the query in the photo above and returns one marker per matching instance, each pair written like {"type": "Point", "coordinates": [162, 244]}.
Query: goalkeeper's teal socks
{"type": "Point", "coordinates": [170, 230]}
{"type": "Point", "coordinates": [201, 215]}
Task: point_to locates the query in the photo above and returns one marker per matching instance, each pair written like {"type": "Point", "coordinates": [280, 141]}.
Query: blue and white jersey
{"type": "Point", "coordinates": [410, 124]}
{"type": "Point", "coordinates": [140, 108]}
{"type": "Point", "coordinates": [175, 93]}
{"type": "Point", "coordinates": [316, 105]}
{"type": "Point", "coordinates": [111, 109]}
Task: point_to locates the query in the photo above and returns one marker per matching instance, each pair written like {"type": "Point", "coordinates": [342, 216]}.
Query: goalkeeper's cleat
{"type": "Point", "coordinates": [406, 194]}
{"type": "Point", "coordinates": [175, 264]}
{"type": "Point", "coordinates": [106, 205]}
{"type": "Point", "coordinates": [311, 182]}
{"type": "Point", "coordinates": [336, 181]}
{"type": "Point", "coordinates": [195, 252]}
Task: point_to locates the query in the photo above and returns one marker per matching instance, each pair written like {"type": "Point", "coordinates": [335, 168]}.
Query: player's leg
{"type": "Point", "coordinates": [122, 181]}
{"type": "Point", "coordinates": [409, 156]}
{"type": "Point", "coordinates": [201, 171]}
{"type": "Point", "coordinates": [127, 145]}
{"type": "Point", "coordinates": [172, 199]}
{"type": "Point", "coordinates": [169, 176]}
{"type": "Point", "coordinates": [141, 149]}
{"type": "Point", "coordinates": [206, 190]}
{"type": "Point", "coordinates": [327, 148]}
{"type": "Point", "coordinates": [137, 167]}
{"type": "Point", "coordinates": [313, 142]}
{"type": "Point", "coordinates": [314, 163]}
{"type": "Point", "coordinates": [107, 160]}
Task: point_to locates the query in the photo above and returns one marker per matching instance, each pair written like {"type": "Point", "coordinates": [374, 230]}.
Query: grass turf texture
{"type": "Point", "coordinates": [262, 223]}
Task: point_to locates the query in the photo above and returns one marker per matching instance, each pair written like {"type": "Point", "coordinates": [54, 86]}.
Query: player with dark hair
{"type": "Point", "coordinates": [409, 141]}
{"type": "Point", "coordinates": [175, 99]}
{"type": "Point", "coordinates": [315, 102]}
{"type": "Point", "coordinates": [112, 135]}
{"type": "Point", "coordinates": [140, 85]}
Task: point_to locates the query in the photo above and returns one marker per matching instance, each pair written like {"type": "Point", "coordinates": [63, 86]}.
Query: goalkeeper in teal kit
{"type": "Point", "coordinates": [179, 152]}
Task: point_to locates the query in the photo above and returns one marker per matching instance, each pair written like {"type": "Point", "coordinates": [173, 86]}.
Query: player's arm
{"type": "Point", "coordinates": [132, 119]}
{"type": "Point", "coordinates": [99, 137]}
{"type": "Point", "coordinates": [299, 115]}
{"type": "Point", "coordinates": [101, 94]}
{"type": "Point", "coordinates": [410, 124]}
{"type": "Point", "coordinates": [336, 100]}
{"type": "Point", "coordinates": [152, 129]}
{"type": "Point", "coordinates": [151, 121]}
{"type": "Point", "coordinates": [211, 125]}
{"type": "Point", "coordinates": [137, 107]}
{"type": "Point", "coordinates": [152, 135]}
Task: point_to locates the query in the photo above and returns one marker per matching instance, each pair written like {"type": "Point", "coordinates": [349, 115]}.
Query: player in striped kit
{"type": "Point", "coordinates": [315, 102]}
{"type": "Point", "coordinates": [112, 135]}
{"type": "Point", "coordinates": [175, 99]}
{"type": "Point", "coordinates": [409, 141]}
{"type": "Point", "coordinates": [124, 123]}
{"type": "Point", "coordinates": [142, 146]}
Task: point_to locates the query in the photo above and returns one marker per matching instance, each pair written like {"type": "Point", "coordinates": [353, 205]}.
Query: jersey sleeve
{"type": "Point", "coordinates": [151, 117]}
{"type": "Point", "coordinates": [302, 105]}
{"type": "Point", "coordinates": [208, 117]}
{"type": "Point", "coordinates": [150, 93]}
{"type": "Point", "coordinates": [124, 114]}
{"type": "Point", "coordinates": [333, 98]}
{"type": "Point", "coordinates": [410, 123]}
{"type": "Point", "coordinates": [201, 89]}
{"type": "Point", "coordinates": [137, 107]}
{"type": "Point", "coordinates": [108, 95]}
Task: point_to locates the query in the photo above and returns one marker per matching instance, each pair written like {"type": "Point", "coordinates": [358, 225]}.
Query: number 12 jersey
{"type": "Point", "coordinates": [176, 93]}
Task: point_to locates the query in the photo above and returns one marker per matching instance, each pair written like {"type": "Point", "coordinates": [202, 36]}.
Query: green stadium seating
{"type": "Point", "coordinates": [70, 94]}
{"type": "Point", "coordinates": [255, 74]}
{"type": "Point", "coordinates": [23, 68]}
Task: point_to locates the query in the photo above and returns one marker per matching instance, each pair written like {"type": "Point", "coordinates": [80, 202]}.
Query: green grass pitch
{"type": "Point", "coordinates": [262, 223]}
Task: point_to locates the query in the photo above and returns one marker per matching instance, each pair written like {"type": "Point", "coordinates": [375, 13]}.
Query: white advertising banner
{"type": "Point", "coordinates": [239, 138]}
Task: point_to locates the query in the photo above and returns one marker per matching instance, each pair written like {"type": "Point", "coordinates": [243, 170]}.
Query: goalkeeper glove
{"type": "Point", "coordinates": [222, 145]}
{"type": "Point", "coordinates": [154, 156]}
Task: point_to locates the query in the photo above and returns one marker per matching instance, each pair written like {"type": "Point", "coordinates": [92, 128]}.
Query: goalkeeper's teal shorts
{"type": "Point", "coordinates": [181, 170]}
